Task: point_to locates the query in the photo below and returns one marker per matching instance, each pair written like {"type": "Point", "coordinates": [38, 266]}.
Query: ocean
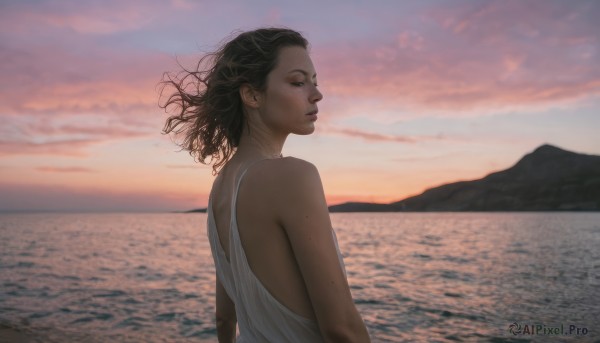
{"type": "Point", "coordinates": [415, 277]}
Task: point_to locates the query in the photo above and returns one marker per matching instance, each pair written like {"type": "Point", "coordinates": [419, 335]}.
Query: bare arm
{"type": "Point", "coordinates": [226, 318]}
{"type": "Point", "coordinates": [305, 218]}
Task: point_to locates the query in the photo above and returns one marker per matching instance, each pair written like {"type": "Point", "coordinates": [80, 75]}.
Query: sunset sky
{"type": "Point", "coordinates": [416, 94]}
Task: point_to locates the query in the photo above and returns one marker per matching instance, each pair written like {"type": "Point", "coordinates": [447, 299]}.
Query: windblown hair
{"type": "Point", "coordinates": [206, 105]}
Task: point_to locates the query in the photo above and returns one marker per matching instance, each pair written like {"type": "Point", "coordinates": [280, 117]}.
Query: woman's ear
{"type": "Point", "coordinates": [250, 97]}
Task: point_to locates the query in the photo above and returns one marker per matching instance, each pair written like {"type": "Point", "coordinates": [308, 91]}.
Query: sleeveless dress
{"type": "Point", "coordinates": [261, 317]}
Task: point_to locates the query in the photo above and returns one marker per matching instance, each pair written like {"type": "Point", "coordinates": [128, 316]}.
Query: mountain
{"type": "Point", "coordinates": [548, 179]}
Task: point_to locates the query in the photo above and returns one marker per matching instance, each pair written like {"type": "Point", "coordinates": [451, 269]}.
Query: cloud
{"type": "Point", "coordinates": [460, 57]}
{"type": "Point", "coordinates": [425, 158]}
{"type": "Point", "coordinates": [182, 166]}
{"type": "Point", "coordinates": [67, 60]}
{"type": "Point", "coordinates": [469, 58]}
{"type": "Point", "coordinates": [378, 137]}
{"type": "Point", "coordinates": [97, 130]}
{"type": "Point", "coordinates": [49, 137]}
{"type": "Point", "coordinates": [70, 92]}
{"type": "Point", "coordinates": [369, 136]}
{"type": "Point", "coordinates": [85, 17]}
{"type": "Point", "coordinates": [71, 148]}
{"type": "Point", "coordinates": [24, 197]}
{"type": "Point", "coordinates": [454, 58]}
{"type": "Point", "coordinates": [184, 4]}
{"type": "Point", "coordinates": [51, 169]}
{"type": "Point", "coordinates": [60, 80]}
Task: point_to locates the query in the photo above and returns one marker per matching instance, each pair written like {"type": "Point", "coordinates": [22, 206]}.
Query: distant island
{"type": "Point", "coordinates": [548, 179]}
{"type": "Point", "coordinates": [198, 210]}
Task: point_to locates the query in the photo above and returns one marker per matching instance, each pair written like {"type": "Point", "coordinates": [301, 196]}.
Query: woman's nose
{"type": "Point", "coordinates": [316, 95]}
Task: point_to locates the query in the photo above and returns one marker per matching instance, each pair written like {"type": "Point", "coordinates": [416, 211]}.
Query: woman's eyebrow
{"type": "Point", "coordinates": [304, 72]}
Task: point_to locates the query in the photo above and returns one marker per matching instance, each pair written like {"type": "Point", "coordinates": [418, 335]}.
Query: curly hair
{"type": "Point", "coordinates": [207, 107]}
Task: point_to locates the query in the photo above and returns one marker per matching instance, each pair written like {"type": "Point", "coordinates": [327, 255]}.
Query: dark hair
{"type": "Point", "coordinates": [208, 110]}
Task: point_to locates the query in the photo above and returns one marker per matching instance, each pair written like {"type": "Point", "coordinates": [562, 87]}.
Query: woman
{"type": "Point", "coordinates": [280, 276]}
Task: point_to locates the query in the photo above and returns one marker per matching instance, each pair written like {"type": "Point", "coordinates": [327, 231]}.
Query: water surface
{"type": "Point", "coordinates": [418, 277]}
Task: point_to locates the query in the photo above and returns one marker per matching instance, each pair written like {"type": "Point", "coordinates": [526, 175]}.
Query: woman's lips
{"type": "Point", "coordinates": [313, 115]}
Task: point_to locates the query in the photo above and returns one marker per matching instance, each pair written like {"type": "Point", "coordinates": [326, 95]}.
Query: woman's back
{"type": "Point", "coordinates": [264, 241]}
{"type": "Point", "coordinates": [261, 272]}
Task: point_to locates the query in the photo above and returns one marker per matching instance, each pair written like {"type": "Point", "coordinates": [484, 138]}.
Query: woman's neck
{"type": "Point", "coordinates": [259, 144]}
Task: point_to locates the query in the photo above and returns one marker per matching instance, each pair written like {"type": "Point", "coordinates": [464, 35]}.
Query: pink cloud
{"type": "Point", "coordinates": [182, 166]}
{"type": "Point", "coordinates": [19, 197]}
{"type": "Point", "coordinates": [72, 148]}
{"type": "Point", "coordinates": [369, 136]}
{"type": "Point", "coordinates": [184, 4]}
{"type": "Point", "coordinates": [51, 169]}
{"type": "Point", "coordinates": [411, 159]}
{"type": "Point", "coordinates": [273, 16]}
{"type": "Point", "coordinates": [98, 130]}
{"type": "Point", "coordinates": [449, 58]}
{"type": "Point", "coordinates": [62, 100]}
{"type": "Point", "coordinates": [469, 58]}
{"type": "Point", "coordinates": [46, 138]}
{"type": "Point", "coordinates": [58, 80]}
{"type": "Point", "coordinates": [89, 17]}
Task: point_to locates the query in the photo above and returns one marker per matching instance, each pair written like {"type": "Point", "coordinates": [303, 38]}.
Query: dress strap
{"type": "Point", "coordinates": [251, 164]}
{"type": "Point", "coordinates": [239, 181]}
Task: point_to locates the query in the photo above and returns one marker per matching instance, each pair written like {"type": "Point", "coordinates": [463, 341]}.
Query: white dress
{"type": "Point", "coordinates": [261, 317]}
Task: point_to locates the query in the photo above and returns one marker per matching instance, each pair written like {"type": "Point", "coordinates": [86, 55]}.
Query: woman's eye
{"type": "Point", "coordinates": [299, 84]}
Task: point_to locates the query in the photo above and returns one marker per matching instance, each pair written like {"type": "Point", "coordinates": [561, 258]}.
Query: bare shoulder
{"type": "Point", "coordinates": [296, 190]}
{"type": "Point", "coordinates": [286, 183]}
{"type": "Point", "coordinates": [291, 171]}
{"type": "Point", "coordinates": [283, 174]}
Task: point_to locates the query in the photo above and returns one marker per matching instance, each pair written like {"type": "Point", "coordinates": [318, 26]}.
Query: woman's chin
{"type": "Point", "coordinates": [306, 130]}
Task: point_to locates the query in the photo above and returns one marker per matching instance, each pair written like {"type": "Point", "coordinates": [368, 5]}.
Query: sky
{"type": "Point", "coordinates": [416, 94]}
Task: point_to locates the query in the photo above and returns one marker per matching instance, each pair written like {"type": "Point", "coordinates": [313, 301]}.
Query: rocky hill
{"type": "Point", "coordinates": [548, 179]}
